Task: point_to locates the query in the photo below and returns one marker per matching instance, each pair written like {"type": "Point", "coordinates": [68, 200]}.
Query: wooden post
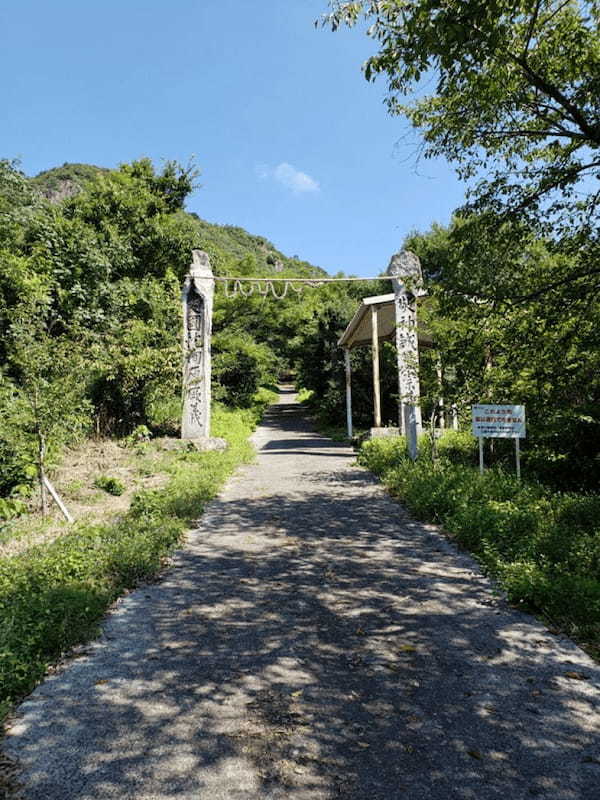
{"type": "Point", "coordinates": [375, 356]}
{"type": "Point", "coordinates": [481, 455]}
{"type": "Point", "coordinates": [58, 501]}
{"type": "Point", "coordinates": [348, 392]}
{"type": "Point", "coordinates": [518, 456]}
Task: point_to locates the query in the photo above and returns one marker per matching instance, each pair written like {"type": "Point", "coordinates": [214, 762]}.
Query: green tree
{"type": "Point", "coordinates": [540, 349]}
{"type": "Point", "coordinates": [45, 406]}
{"type": "Point", "coordinates": [508, 90]}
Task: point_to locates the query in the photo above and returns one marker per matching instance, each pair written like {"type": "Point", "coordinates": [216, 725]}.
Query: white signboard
{"type": "Point", "coordinates": [498, 421]}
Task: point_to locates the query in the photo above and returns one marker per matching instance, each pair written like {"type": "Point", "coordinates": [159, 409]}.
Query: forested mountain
{"type": "Point", "coordinates": [229, 244]}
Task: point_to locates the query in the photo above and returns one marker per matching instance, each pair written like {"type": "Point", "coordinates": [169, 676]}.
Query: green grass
{"type": "Point", "coordinates": [53, 596]}
{"type": "Point", "coordinates": [542, 546]}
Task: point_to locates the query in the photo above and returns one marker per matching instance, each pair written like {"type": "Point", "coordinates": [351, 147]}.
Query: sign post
{"type": "Point", "coordinates": [499, 422]}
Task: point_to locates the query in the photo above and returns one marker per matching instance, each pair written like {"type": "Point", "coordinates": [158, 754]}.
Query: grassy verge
{"type": "Point", "coordinates": [543, 546]}
{"type": "Point", "coordinates": [52, 596]}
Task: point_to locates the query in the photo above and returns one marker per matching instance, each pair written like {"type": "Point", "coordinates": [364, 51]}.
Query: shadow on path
{"type": "Point", "coordinates": [312, 641]}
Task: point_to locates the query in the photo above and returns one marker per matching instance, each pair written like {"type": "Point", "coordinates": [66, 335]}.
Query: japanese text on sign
{"type": "Point", "coordinates": [498, 421]}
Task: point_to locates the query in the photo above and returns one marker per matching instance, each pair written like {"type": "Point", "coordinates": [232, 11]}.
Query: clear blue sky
{"type": "Point", "coordinates": [292, 142]}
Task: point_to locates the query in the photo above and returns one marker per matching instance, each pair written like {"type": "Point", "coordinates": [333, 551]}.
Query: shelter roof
{"type": "Point", "coordinates": [359, 330]}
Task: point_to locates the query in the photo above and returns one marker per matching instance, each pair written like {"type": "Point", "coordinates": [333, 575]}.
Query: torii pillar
{"type": "Point", "coordinates": [405, 267]}
{"type": "Point", "coordinates": [197, 299]}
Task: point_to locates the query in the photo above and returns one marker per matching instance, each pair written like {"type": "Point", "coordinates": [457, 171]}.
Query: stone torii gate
{"type": "Point", "coordinates": [392, 316]}
{"type": "Point", "coordinates": [385, 316]}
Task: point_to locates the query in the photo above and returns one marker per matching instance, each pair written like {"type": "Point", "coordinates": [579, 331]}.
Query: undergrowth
{"type": "Point", "coordinates": [542, 546]}
{"type": "Point", "coordinates": [52, 596]}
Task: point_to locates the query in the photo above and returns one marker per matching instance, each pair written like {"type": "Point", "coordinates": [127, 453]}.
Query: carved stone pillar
{"type": "Point", "coordinates": [197, 297]}
{"type": "Point", "coordinates": [408, 285]}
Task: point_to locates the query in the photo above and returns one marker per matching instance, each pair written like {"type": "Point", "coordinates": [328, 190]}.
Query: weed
{"type": "Point", "coordinates": [110, 485]}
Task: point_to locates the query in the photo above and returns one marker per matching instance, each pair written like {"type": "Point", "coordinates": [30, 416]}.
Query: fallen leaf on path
{"type": "Point", "coordinates": [475, 754]}
{"type": "Point", "coordinates": [363, 744]}
{"type": "Point", "coordinates": [298, 693]}
{"type": "Point", "coordinates": [407, 648]}
{"type": "Point", "coordinates": [576, 676]}
{"type": "Point", "coordinates": [360, 632]}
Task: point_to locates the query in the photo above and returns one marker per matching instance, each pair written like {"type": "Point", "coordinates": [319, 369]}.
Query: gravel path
{"type": "Point", "coordinates": [312, 641]}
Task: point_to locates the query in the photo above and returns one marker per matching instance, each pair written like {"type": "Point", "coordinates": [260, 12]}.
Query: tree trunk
{"type": "Point", "coordinates": [41, 472]}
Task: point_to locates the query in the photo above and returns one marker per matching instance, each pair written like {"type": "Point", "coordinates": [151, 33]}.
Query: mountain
{"type": "Point", "coordinates": [229, 246]}
{"type": "Point", "coordinates": [59, 183]}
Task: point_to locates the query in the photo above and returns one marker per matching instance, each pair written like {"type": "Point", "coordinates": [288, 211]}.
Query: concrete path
{"type": "Point", "coordinates": [312, 641]}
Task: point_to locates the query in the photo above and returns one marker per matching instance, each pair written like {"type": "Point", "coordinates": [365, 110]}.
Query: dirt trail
{"type": "Point", "coordinates": [311, 641]}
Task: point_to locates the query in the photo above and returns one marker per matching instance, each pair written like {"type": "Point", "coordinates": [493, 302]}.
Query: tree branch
{"type": "Point", "coordinates": [532, 22]}
{"type": "Point", "coordinates": [592, 132]}
{"type": "Point", "coordinates": [522, 298]}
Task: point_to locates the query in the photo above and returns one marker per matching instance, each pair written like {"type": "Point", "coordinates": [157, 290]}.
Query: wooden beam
{"type": "Point", "coordinates": [375, 356]}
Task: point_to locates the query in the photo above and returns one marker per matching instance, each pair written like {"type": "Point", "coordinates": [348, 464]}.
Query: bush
{"type": "Point", "coordinates": [459, 447]}
{"type": "Point", "coordinates": [110, 485]}
{"type": "Point", "coordinates": [163, 411]}
{"type": "Point", "coordinates": [240, 366]}
{"type": "Point", "coordinates": [140, 435]}
{"type": "Point", "coordinates": [380, 455]}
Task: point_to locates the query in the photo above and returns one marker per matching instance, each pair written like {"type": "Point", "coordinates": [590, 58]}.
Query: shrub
{"type": "Point", "coordinates": [240, 366]}
{"type": "Point", "coordinates": [380, 455]}
{"type": "Point", "coordinates": [139, 435]}
{"type": "Point", "coordinates": [163, 412]}
{"type": "Point", "coordinates": [459, 447]}
{"type": "Point", "coordinates": [109, 485]}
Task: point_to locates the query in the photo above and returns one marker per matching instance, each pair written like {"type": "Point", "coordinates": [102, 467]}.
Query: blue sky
{"type": "Point", "coordinates": [292, 142]}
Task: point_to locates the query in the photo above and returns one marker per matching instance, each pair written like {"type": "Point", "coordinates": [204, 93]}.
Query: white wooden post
{"type": "Point", "coordinates": [348, 370]}
{"type": "Point", "coordinates": [58, 501]}
{"type": "Point", "coordinates": [375, 357]}
{"type": "Point", "coordinates": [518, 456]}
{"type": "Point", "coordinates": [481, 455]}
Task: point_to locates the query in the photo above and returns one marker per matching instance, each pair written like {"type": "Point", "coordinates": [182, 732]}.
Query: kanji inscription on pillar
{"type": "Point", "coordinates": [197, 299]}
